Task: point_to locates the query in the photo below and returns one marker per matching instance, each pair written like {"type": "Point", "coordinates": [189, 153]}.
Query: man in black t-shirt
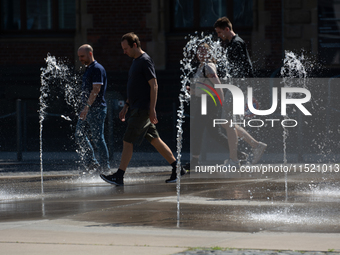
{"type": "Point", "coordinates": [239, 63]}
{"type": "Point", "coordinates": [239, 66]}
{"type": "Point", "coordinates": [142, 91]}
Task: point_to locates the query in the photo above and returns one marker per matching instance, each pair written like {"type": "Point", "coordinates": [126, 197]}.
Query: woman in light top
{"type": "Point", "coordinates": [203, 82]}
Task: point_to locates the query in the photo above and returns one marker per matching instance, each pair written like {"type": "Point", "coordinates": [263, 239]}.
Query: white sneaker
{"type": "Point", "coordinates": [232, 163]}
{"type": "Point", "coordinates": [258, 152]}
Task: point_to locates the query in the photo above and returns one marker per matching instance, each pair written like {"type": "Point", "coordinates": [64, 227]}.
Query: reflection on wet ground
{"type": "Point", "coordinates": [243, 204]}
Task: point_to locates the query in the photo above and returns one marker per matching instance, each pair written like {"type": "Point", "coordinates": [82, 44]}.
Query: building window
{"type": "Point", "coordinates": [67, 14]}
{"type": "Point", "coordinates": [190, 14]}
{"type": "Point", "coordinates": [184, 13]}
{"type": "Point", "coordinates": [37, 15]}
{"type": "Point", "coordinates": [10, 15]}
{"type": "Point", "coordinates": [210, 11]}
{"type": "Point", "coordinates": [329, 32]}
{"type": "Point", "coordinates": [242, 13]}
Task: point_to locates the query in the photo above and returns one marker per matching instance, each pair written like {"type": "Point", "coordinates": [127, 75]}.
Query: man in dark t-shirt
{"type": "Point", "coordinates": [239, 66]}
{"type": "Point", "coordinates": [239, 63]}
{"type": "Point", "coordinates": [93, 112]}
{"type": "Point", "coordinates": [142, 91]}
{"type": "Point", "coordinates": [138, 89]}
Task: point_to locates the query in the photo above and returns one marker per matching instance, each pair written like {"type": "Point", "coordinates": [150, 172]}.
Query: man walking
{"type": "Point", "coordinates": [142, 91]}
{"type": "Point", "coordinates": [239, 66]}
{"type": "Point", "coordinates": [93, 112]}
{"type": "Point", "coordinates": [239, 62]}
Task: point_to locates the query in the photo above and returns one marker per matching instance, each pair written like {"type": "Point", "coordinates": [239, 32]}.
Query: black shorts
{"type": "Point", "coordinates": [139, 125]}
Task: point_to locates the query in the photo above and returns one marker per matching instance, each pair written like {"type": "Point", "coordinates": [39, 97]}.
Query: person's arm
{"type": "Point", "coordinates": [215, 80]}
{"type": "Point", "coordinates": [93, 95]}
{"type": "Point", "coordinates": [123, 112]}
{"type": "Point", "coordinates": [211, 74]}
{"type": "Point", "coordinates": [153, 100]}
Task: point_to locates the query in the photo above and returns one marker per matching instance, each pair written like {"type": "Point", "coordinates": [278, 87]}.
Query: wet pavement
{"type": "Point", "coordinates": [249, 211]}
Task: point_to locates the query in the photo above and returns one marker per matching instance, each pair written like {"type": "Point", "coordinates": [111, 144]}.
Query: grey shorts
{"type": "Point", "coordinates": [140, 126]}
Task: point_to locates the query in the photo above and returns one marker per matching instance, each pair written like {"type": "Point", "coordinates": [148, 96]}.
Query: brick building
{"type": "Point", "coordinates": [31, 29]}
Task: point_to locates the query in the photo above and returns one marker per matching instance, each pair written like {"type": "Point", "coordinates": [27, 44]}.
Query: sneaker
{"type": "Point", "coordinates": [193, 162]}
{"type": "Point", "coordinates": [112, 179]}
{"type": "Point", "coordinates": [173, 177]}
{"type": "Point", "coordinates": [91, 169]}
{"type": "Point", "coordinates": [232, 163]}
{"type": "Point", "coordinates": [258, 152]}
{"type": "Point", "coordinates": [242, 156]}
{"type": "Point", "coordinates": [186, 166]}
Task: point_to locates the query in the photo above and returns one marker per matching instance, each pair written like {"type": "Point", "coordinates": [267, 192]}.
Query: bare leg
{"type": "Point", "coordinates": [232, 141]}
{"type": "Point", "coordinates": [246, 136]}
{"type": "Point", "coordinates": [234, 133]}
{"type": "Point", "coordinates": [258, 147]}
{"type": "Point", "coordinates": [126, 155]}
{"type": "Point", "coordinates": [163, 149]}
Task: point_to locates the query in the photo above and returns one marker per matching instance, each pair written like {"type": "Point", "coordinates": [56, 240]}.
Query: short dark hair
{"type": "Point", "coordinates": [223, 23]}
{"type": "Point", "coordinates": [131, 38]}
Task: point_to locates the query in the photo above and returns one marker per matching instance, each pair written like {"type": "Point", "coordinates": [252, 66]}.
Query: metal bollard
{"type": "Point", "coordinates": [111, 112]}
{"type": "Point", "coordinates": [19, 129]}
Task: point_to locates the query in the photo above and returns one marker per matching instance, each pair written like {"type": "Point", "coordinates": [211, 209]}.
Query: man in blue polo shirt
{"type": "Point", "coordinates": [93, 112]}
